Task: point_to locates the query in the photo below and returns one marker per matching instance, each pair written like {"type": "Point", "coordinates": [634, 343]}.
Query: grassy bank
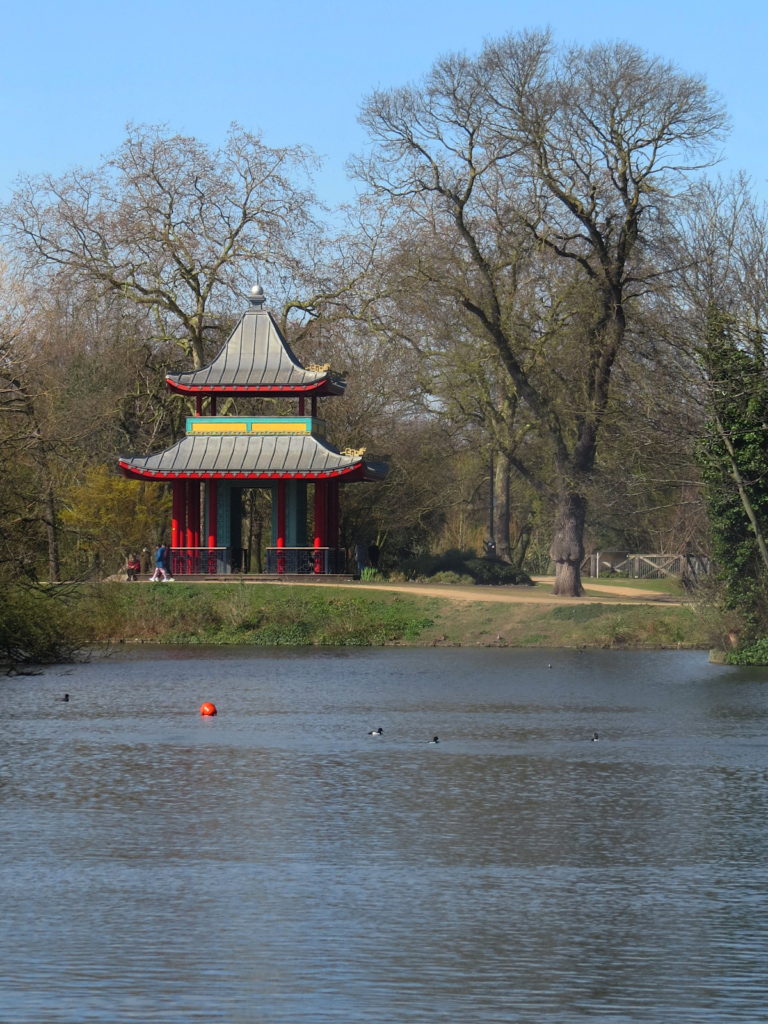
{"type": "Point", "coordinates": [39, 626]}
{"type": "Point", "coordinates": [263, 615]}
{"type": "Point", "coordinates": [267, 615]}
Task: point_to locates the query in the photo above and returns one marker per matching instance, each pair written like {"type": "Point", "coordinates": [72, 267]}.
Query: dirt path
{"type": "Point", "coordinates": [540, 594]}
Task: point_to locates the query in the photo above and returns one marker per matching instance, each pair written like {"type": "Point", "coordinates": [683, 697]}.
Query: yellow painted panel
{"type": "Point", "coordinates": [279, 427]}
{"type": "Point", "coordinates": [220, 428]}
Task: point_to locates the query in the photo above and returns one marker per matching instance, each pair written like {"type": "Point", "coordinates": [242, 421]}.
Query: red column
{"type": "Point", "coordinates": [280, 513]}
{"type": "Point", "coordinates": [198, 405]}
{"type": "Point", "coordinates": [178, 488]}
{"type": "Point", "coordinates": [321, 510]}
{"type": "Point", "coordinates": [334, 488]}
{"type": "Point", "coordinates": [193, 513]}
{"type": "Point", "coordinates": [212, 513]}
{"type": "Point", "coordinates": [187, 540]}
{"type": "Point", "coordinates": [321, 524]}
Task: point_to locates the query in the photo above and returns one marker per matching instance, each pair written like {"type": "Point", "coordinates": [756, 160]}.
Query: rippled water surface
{"type": "Point", "coordinates": [276, 865]}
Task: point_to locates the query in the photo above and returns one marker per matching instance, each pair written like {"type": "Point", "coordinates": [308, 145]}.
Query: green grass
{"type": "Point", "coordinates": [579, 613]}
{"type": "Point", "coordinates": [633, 626]}
{"type": "Point", "coordinates": [261, 615]}
{"type": "Point", "coordinates": [267, 615]}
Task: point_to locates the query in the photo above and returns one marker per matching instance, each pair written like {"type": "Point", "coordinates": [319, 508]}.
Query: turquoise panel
{"type": "Point", "coordinates": [255, 425]}
{"type": "Point", "coordinates": [223, 499]}
{"type": "Point", "coordinates": [235, 517]}
{"type": "Point", "coordinates": [296, 513]}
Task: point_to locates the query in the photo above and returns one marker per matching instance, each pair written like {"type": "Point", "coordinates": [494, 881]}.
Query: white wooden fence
{"type": "Point", "coordinates": [645, 567]}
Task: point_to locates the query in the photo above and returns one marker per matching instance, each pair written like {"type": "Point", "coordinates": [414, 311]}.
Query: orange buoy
{"type": "Point", "coordinates": [208, 709]}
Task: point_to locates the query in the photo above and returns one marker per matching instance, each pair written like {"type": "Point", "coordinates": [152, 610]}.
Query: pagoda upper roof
{"type": "Point", "coordinates": [260, 457]}
{"type": "Point", "coordinates": [257, 360]}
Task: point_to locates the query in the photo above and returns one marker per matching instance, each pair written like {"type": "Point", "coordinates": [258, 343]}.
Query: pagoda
{"type": "Point", "coordinates": [220, 456]}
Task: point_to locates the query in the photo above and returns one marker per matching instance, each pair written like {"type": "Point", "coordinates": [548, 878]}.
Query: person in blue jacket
{"type": "Point", "coordinates": [161, 564]}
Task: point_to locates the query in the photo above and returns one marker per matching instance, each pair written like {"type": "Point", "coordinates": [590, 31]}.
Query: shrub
{"type": "Point", "coordinates": [452, 577]}
{"type": "Point", "coordinates": [494, 572]}
{"type": "Point", "coordinates": [421, 565]}
{"type": "Point", "coordinates": [465, 567]}
{"type": "Point", "coordinates": [753, 654]}
{"type": "Point", "coordinates": [369, 574]}
{"type": "Point", "coordinates": [39, 626]}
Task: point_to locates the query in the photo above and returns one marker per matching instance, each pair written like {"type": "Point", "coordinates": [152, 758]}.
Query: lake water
{"type": "Point", "coordinates": [276, 865]}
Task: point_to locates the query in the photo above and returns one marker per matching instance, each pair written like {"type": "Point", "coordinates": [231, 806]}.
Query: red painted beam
{"type": "Point", "coordinates": [354, 472]}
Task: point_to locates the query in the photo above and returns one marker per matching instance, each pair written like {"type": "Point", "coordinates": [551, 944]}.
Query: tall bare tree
{"type": "Point", "coordinates": [172, 224]}
{"type": "Point", "coordinates": [552, 174]}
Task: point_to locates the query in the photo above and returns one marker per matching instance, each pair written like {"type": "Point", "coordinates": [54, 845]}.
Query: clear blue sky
{"type": "Point", "coordinates": [73, 74]}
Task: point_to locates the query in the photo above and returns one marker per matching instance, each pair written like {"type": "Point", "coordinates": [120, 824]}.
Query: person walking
{"type": "Point", "coordinates": [161, 559]}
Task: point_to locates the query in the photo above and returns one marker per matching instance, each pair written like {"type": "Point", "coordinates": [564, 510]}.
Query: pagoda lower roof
{"type": "Point", "coordinates": [260, 457]}
{"type": "Point", "coordinates": [257, 360]}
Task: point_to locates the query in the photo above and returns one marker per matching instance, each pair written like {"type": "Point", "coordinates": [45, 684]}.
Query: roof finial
{"type": "Point", "coordinates": [258, 297]}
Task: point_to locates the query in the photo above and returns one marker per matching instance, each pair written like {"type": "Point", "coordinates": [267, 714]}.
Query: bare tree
{"type": "Point", "coordinates": [27, 453]}
{"type": "Point", "coordinates": [171, 224]}
{"type": "Point", "coordinates": [552, 174]}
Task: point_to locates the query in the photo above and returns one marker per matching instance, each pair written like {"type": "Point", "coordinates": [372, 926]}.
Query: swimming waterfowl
{"type": "Point", "coordinates": [65, 698]}
{"type": "Point", "coordinates": [434, 739]}
{"type": "Point", "coordinates": [376, 732]}
{"type": "Point", "coordinates": [595, 737]}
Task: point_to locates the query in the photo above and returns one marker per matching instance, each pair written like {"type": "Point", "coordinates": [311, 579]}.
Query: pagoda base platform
{"type": "Point", "coordinates": [253, 577]}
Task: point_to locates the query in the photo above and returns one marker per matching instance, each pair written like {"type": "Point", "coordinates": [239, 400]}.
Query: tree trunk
{"type": "Point", "coordinates": [520, 547]}
{"type": "Point", "coordinates": [49, 514]}
{"type": "Point", "coordinates": [567, 550]}
{"type": "Point", "coordinates": [501, 508]}
{"type": "Point", "coordinates": [54, 567]}
{"type": "Point", "coordinates": [741, 487]}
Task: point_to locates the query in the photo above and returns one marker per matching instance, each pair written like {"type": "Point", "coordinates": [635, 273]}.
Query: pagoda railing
{"type": "Point", "coordinates": [223, 561]}
{"type": "Point", "coordinates": [305, 561]}
{"type": "Point", "coordinates": [206, 561]}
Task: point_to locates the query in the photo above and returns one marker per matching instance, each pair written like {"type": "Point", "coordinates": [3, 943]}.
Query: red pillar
{"type": "Point", "coordinates": [212, 513]}
{"type": "Point", "coordinates": [321, 525]}
{"type": "Point", "coordinates": [281, 513]}
{"type": "Point", "coordinates": [193, 513]}
{"type": "Point", "coordinates": [334, 488]}
{"type": "Point", "coordinates": [180, 499]}
{"type": "Point", "coordinates": [321, 513]}
{"type": "Point", "coordinates": [187, 542]}
{"type": "Point", "coordinates": [178, 488]}
{"type": "Point", "coordinates": [198, 405]}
